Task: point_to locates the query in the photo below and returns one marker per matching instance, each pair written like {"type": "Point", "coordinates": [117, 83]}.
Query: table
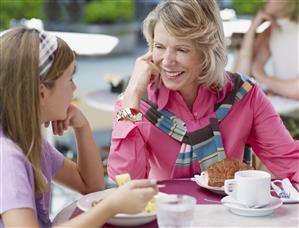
{"type": "Point", "coordinates": [104, 99]}
{"type": "Point", "coordinates": [87, 43]}
{"type": "Point", "coordinates": [210, 215]}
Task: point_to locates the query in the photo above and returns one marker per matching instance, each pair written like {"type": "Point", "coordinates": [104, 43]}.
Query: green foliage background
{"type": "Point", "coordinates": [248, 7]}
{"type": "Point", "coordinates": [99, 11]}
{"type": "Point", "coordinates": [19, 9]}
{"type": "Point", "coordinates": [109, 11]}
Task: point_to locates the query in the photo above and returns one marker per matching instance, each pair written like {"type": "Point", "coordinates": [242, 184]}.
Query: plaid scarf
{"type": "Point", "coordinates": [203, 146]}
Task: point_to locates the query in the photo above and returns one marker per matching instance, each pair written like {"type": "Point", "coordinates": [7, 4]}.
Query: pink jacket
{"type": "Point", "coordinates": [144, 151]}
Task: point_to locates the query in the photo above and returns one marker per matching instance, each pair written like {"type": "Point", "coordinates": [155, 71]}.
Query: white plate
{"type": "Point", "coordinates": [202, 182]}
{"type": "Point", "coordinates": [244, 211]}
{"type": "Point", "coordinates": [84, 204]}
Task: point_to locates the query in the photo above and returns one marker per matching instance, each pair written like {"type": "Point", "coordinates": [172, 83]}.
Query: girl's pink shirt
{"type": "Point", "coordinates": [144, 151]}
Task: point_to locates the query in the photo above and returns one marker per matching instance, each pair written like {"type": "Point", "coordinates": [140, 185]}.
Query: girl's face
{"type": "Point", "coordinates": [56, 101]}
{"type": "Point", "coordinates": [178, 60]}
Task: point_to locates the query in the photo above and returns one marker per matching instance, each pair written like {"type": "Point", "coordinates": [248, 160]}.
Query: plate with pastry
{"type": "Point", "coordinates": [202, 181]}
{"type": "Point", "coordinates": [213, 178]}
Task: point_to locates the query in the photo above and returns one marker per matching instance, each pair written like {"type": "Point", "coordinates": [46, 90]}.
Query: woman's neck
{"type": "Point", "coordinates": [189, 96]}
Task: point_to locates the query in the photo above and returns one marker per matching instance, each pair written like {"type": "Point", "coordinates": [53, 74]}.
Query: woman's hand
{"type": "Point", "coordinates": [132, 197]}
{"type": "Point", "coordinates": [261, 17]}
{"type": "Point", "coordinates": [145, 72]}
{"type": "Point", "coordinates": [74, 119]}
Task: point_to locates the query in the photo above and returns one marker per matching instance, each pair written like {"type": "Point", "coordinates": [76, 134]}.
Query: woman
{"type": "Point", "coordinates": [280, 42]}
{"type": "Point", "coordinates": [181, 111]}
{"type": "Point", "coordinates": [36, 87]}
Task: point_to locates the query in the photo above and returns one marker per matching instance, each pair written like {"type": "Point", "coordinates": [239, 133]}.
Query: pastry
{"type": "Point", "coordinates": [223, 170]}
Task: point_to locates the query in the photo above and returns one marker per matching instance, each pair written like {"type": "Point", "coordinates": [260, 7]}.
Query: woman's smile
{"type": "Point", "coordinates": [172, 75]}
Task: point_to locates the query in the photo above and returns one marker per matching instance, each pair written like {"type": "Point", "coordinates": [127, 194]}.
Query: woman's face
{"type": "Point", "coordinates": [276, 8]}
{"type": "Point", "coordinates": [57, 100]}
{"type": "Point", "coordinates": [178, 60]}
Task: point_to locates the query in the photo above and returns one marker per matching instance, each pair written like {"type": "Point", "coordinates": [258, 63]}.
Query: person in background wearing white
{"type": "Point", "coordinates": [280, 42]}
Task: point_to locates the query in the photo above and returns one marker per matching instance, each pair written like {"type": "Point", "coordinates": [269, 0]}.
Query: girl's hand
{"type": "Point", "coordinates": [132, 197]}
{"type": "Point", "coordinates": [145, 72]}
{"type": "Point", "coordinates": [74, 119]}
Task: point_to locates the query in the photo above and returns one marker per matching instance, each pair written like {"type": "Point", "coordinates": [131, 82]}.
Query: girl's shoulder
{"type": "Point", "coordinates": [10, 146]}
{"type": "Point", "coordinates": [12, 156]}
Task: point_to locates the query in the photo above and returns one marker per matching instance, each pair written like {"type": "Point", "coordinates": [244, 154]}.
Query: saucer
{"type": "Point", "coordinates": [244, 211]}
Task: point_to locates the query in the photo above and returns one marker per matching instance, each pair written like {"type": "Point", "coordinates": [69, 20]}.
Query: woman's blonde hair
{"type": "Point", "coordinates": [20, 92]}
{"type": "Point", "coordinates": [200, 22]}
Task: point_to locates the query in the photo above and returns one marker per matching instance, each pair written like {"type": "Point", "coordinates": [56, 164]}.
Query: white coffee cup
{"type": "Point", "coordinates": [250, 187]}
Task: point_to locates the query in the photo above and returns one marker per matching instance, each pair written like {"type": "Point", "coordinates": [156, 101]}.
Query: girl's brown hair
{"type": "Point", "coordinates": [20, 92]}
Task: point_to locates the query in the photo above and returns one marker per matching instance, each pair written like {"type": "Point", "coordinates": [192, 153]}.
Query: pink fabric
{"type": "Point", "coordinates": [144, 151]}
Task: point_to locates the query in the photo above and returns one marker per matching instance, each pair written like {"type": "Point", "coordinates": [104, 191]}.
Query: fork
{"type": "Point", "coordinates": [281, 193]}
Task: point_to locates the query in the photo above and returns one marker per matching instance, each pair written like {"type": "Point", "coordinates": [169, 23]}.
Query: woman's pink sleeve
{"type": "Point", "coordinates": [271, 141]}
{"type": "Point", "coordinates": [128, 151]}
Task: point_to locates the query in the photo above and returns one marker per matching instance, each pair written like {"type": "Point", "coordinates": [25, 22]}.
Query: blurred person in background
{"type": "Point", "coordinates": [280, 42]}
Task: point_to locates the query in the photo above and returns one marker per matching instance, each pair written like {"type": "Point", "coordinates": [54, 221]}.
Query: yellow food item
{"type": "Point", "coordinates": [122, 179]}
{"type": "Point", "coordinates": [151, 206]}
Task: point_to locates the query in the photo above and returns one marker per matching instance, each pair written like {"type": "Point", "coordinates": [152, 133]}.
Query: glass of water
{"type": "Point", "coordinates": [175, 210]}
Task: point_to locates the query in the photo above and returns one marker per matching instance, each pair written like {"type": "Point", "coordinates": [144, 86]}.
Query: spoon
{"type": "Point", "coordinates": [237, 203]}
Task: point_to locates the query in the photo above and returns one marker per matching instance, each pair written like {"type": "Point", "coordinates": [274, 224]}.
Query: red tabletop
{"type": "Point", "coordinates": [185, 186]}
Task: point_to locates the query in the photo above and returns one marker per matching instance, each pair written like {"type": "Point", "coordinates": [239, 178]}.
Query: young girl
{"type": "Point", "coordinates": [36, 87]}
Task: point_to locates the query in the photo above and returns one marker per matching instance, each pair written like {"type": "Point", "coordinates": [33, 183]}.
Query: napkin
{"type": "Point", "coordinates": [280, 186]}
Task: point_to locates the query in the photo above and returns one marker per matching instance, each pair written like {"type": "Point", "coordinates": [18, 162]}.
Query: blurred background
{"type": "Point", "coordinates": [99, 72]}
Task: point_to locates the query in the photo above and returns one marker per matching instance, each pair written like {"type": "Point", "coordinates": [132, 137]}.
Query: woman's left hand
{"type": "Point", "coordinates": [74, 119]}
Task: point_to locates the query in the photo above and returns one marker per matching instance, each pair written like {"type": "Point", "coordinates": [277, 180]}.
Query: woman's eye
{"type": "Point", "coordinates": [158, 47]}
{"type": "Point", "coordinates": [183, 50]}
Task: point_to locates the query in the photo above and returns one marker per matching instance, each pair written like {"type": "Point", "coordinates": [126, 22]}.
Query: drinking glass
{"type": "Point", "coordinates": [175, 210]}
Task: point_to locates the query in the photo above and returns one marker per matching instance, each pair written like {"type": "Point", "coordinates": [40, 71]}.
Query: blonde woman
{"type": "Point", "coordinates": [182, 112]}
{"type": "Point", "coordinates": [278, 42]}
{"type": "Point", "coordinates": [36, 87]}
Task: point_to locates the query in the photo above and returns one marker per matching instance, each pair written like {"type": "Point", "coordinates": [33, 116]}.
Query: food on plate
{"type": "Point", "coordinates": [151, 206]}
{"type": "Point", "coordinates": [223, 170]}
{"type": "Point", "coordinates": [124, 178]}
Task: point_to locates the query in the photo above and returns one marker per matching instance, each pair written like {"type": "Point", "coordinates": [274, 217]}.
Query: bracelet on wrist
{"type": "Point", "coordinates": [129, 114]}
